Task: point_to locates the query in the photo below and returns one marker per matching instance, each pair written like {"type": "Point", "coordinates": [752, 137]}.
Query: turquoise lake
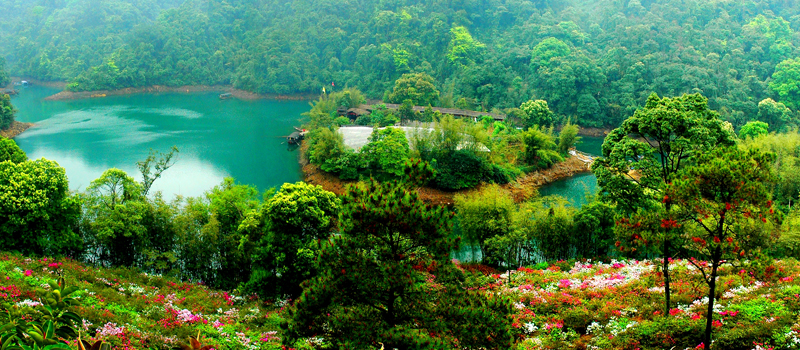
{"type": "Point", "coordinates": [216, 138]}
{"type": "Point", "coordinates": [577, 188]}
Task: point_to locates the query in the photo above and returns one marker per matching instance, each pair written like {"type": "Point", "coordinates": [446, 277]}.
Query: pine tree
{"type": "Point", "coordinates": [388, 278]}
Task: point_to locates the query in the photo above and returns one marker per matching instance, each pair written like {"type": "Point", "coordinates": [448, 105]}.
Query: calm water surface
{"type": "Point", "coordinates": [577, 188]}
{"type": "Point", "coordinates": [216, 138]}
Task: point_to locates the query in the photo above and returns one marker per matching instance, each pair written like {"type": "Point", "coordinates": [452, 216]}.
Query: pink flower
{"type": "Point", "coordinates": [675, 311]}
{"type": "Point", "coordinates": [28, 272]}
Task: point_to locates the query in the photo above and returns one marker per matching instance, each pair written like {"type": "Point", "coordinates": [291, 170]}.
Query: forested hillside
{"type": "Point", "coordinates": [596, 61]}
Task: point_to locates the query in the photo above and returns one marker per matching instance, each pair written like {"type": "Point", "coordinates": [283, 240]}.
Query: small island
{"type": "Point", "coordinates": [353, 139]}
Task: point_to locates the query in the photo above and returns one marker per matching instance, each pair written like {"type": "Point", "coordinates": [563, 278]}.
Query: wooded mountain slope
{"type": "Point", "coordinates": [593, 60]}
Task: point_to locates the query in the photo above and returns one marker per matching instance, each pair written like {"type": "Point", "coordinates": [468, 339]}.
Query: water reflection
{"type": "Point", "coordinates": [216, 139]}
{"type": "Point", "coordinates": [104, 121]}
{"type": "Point", "coordinates": [189, 177]}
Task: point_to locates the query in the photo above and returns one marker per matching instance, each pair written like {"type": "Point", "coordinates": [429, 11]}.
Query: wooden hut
{"type": "Point", "coordinates": [354, 113]}
{"type": "Point", "coordinates": [295, 137]}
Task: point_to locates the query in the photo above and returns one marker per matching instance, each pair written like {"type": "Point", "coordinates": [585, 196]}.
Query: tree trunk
{"type": "Point", "coordinates": [712, 288]}
{"type": "Point", "coordinates": [665, 270]}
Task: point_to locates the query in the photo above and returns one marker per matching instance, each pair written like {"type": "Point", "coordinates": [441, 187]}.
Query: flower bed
{"type": "Point", "coordinates": [619, 305]}
{"type": "Point", "coordinates": [564, 305]}
{"type": "Point", "coordinates": [134, 310]}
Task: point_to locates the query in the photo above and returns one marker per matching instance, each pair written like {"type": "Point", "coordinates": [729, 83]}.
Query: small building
{"type": "Point", "coordinates": [354, 113]}
{"type": "Point", "coordinates": [295, 137]}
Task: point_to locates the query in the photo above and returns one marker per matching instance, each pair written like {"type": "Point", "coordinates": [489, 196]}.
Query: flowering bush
{"type": "Point", "coordinates": [564, 305]}
{"type": "Point", "coordinates": [132, 310]}
{"type": "Point", "coordinates": [618, 305]}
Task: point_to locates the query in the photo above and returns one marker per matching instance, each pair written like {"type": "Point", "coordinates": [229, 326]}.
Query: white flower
{"type": "Point", "coordinates": [530, 327]}
{"type": "Point", "coordinates": [28, 302]}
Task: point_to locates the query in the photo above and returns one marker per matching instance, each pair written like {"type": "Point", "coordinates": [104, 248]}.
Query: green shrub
{"type": "Point", "coordinates": [459, 169]}
{"type": "Point", "coordinates": [340, 121]}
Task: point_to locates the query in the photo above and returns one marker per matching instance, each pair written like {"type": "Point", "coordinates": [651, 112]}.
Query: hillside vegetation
{"type": "Point", "coordinates": [594, 60]}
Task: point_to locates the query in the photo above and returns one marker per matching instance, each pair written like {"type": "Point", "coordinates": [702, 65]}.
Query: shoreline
{"type": "Point", "coordinates": [521, 189]}
{"type": "Point", "coordinates": [237, 93]}
{"type": "Point", "coordinates": [15, 129]}
{"type": "Point", "coordinates": [593, 132]}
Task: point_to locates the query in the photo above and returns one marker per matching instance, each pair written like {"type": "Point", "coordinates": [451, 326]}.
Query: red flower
{"type": "Point", "coordinates": [727, 206]}
{"type": "Point", "coordinates": [669, 223]}
{"type": "Point", "coordinates": [716, 239]}
{"type": "Point", "coordinates": [699, 240]}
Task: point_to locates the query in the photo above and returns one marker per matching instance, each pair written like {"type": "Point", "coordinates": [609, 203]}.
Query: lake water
{"type": "Point", "coordinates": [576, 189]}
{"type": "Point", "coordinates": [216, 138]}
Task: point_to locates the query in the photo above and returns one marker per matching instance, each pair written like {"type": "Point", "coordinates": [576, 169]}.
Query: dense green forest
{"type": "Point", "coordinates": [596, 61]}
{"type": "Point", "coordinates": [697, 182]}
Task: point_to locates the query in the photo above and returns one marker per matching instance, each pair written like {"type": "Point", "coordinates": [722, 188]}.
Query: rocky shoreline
{"type": "Point", "coordinates": [521, 189]}
{"type": "Point", "coordinates": [240, 94]}
{"type": "Point", "coordinates": [15, 129]}
{"type": "Point", "coordinates": [594, 132]}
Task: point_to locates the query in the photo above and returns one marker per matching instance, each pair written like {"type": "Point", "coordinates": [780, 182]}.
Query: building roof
{"type": "Point", "coordinates": [451, 111]}
{"type": "Point", "coordinates": [358, 111]}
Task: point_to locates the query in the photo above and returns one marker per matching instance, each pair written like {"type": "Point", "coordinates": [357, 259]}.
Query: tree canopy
{"type": "Point", "coordinates": [38, 215]}
{"type": "Point", "coordinates": [7, 111]}
{"type": "Point", "coordinates": [371, 287]}
{"type": "Point", "coordinates": [9, 151]}
{"type": "Point", "coordinates": [596, 61]}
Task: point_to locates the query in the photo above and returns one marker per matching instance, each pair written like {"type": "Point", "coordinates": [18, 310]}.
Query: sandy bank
{"type": "Point", "coordinates": [15, 129]}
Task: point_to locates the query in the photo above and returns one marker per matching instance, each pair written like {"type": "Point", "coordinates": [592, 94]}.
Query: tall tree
{"type": "Point", "coordinates": [776, 114]}
{"type": "Point", "coordinates": [484, 215]}
{"type": "Point", "coordinates": [388, 278]}
{"type": "Point", "coordinates": [7, 112]}
{"type": "Point", "coordinates": [9, 151]}
{"type": "Point", "coordinates": [753, 129]}
{"type": "Point", "coordinates": [420, 88]}
{"type": "Point", "coordinates": [286, 233]}
{"type": "Point", "coordinates": [463, 49]}
{"type": "Point", "coordinates": [725, 202]}
{"type": "Point", "coordinates": [112, 228]}
{"type": "Point", "coordinates": [536, 113]}
{"type": "Point", "coordinates": [161, 162]}
{"type": "Point", "coordinates": [786, 82]}
{"type": "Point", "coordinates": [37, 213]}
{"type": "Point", "coordinates": [4, 79]}
{"type": "Point", "coordinates": [386, 152]}
{"type": "Point", "coordinates": [643, 155]}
